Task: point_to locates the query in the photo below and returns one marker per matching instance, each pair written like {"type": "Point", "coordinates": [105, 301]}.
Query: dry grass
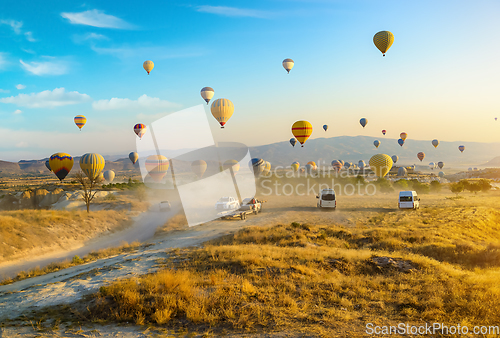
{"type": "Point", "coordinates": [323, 279]}
{"type": "Point", "coordinates": [177, 222]}
{"type": "Point", "coordinates": [37, 231]}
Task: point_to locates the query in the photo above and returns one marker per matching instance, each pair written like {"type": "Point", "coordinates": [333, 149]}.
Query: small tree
{"type": "Point", "coordinates": [435, 186]}
{"type": "Point", "coordinates": [457, 187]}
{"type": "Point", "coordinates": [88, 186]}
{"type": "Point", "coordinates": [474, 187]}
{"type": "Point", "coordinates": [485, 185]}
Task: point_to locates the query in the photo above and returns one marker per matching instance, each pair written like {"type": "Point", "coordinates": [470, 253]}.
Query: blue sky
{"type": "Point", "coordinates": [60, 58]}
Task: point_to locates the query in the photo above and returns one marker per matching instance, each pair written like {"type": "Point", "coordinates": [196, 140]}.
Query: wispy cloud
{"type": "Point", "coordinates": [20, 86]}
{"type": "Point", "coordinates": [18, 111]}
{"type": "Point", "coordinates": [47, 99]}
{"type": "Point", "coordinates": [143, 102]}
{"type": "Point", "coordinates": [4, 91]}
{"type": "Point", "coordinates": [55, 67]}
{"type": "Point", "coordinates": [233, 11]}
{"type": "Point", "coordinates": [97, 18]}
{"type": "Point", "coordinates": [17, 26]}
{"type": "Point", "coordinates": [89, 37]}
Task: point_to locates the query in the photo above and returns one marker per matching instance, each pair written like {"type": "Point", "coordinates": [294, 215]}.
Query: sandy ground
{"type": "Point", "coordinates": [69, 285]}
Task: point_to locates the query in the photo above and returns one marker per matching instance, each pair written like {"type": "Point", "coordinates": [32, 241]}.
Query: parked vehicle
{"type": "Point", "coordinates": [249, 206]}
{"type": "Point", "coordinates": [408, 200]}
{"type": "Point", "coordinates": [327, 199]}
{"type": "Point", "coordinates": [164, 206]}
{"type": "Point", "coordinates": [227, 203]}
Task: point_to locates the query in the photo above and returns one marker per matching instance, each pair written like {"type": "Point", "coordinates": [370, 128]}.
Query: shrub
{"type": "Point", "coordinates": [401, 184]}
{"type": "Point", "coordinates": [435, 186]}
{"type": "Point", "coordinates": [457, 187]}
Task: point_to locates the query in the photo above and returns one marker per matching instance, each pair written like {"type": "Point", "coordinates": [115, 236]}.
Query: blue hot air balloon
{"type": "Point", "coordinates": [325, 127]}
{"type": "Point", "coordinates": [363, 122]}
{"type": "Point", "coordinates": [401, 142]}
{"type": "Point", "coordinates": [293, 141]}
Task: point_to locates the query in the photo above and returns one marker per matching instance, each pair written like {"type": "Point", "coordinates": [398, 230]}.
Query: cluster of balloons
{"type": "Point", "coordinates": [91, 164]}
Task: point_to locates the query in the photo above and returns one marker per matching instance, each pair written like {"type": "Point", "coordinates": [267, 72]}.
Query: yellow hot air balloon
{"type": "Point", "coordinates": [295, 166]}
{"type": "Point", "coordinates": [92, 165]}
{"type": "Point", "coordinates": [199, 167]}
{"type": "Point", "coordinates": [80, 121]}
{"type": "Point", "coordinates": [61, 164]}
{"type": "Point", "coordinates": [313, 164]}
{"type": "Point", "coordinates": [222, 110]}
{"type": "Point", "coordinates": [383, 41]}
{"type": "Point", "coordinates": [381, 164]}
{"type": "Point", "coordinates": [148, 66]}
{"type": "Point", "coordinates": [267, 168]}
{"type": "Point", "coordinates": [231, 163]}
{"type": "Point", "coordinates": [302, 130]}
{"type": "Point", "coordinates": [157, 167]}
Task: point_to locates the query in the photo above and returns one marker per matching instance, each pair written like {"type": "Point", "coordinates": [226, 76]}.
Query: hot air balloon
{"type": "Point", "coordinates": [257, 165]}
{"type": "Point", "coordinates": [394, 159]}
{"type": "Point", "coordinates": [469, 169]}
{"type": "Point", "coordinates": [461, 148]}
{"type": "Point", "coordinates": [421, 156]}
{"type": "Point", "coordinates": [295, 166]}
{"type": "Point", "coordinates": [140, 130]}
{"type": "Point", "coordinates": [376, 143]}
{"type": "Point", "coordinates": [342, 162]}
{"type": "Point", "coordinates": [401, 142]}
{"type": "Point", "coordinates": [441, 174]}
{"type": "Point", "coordinates": [133, 156]}
{"type": "Point", "coordinates": [293, 141]}
{"type": "Point", "coordinates": [363, 122]}
{"type": "Point", "coordinates": [109, 175]}
{"type": "Point", "coordinates": [231, 164]}
{"type": "Point", "coordinates": [325, 127]}
{"type": "Point", "coordinates": [148, 66]}
{"type": "Point", "coordinates": [381, 164]}
{"type": "Point", "coordinates": [199, 167]}
{"type": "Point", "coordinates": [435, 143]}
{"type": "Point", "coordinates": [267, 168]}
{"type": "Point", "coordinates": [80, 121]}
{"type": "Point", "coordinates": [402, 171]}
{"type": "Point", "coordinates": [302, 130]}
{"type": "Point", "coordinates": [361, 164]}
{"type": "Point", "coordinates": [47, 164]}
{"type": "Point", "coordinates": [207, 93]}
{"type": "Point", "coordinates": [313, 164]}
{"type": "Point", "coordinates": [337, 165]}
{"type": "Point", "coordinates": [383, 41]}
{"type": "Point", "coordinates": [61, 164]}
{"type": "Point", "coordinates": [440, 165]}
{"type": "Point", "coordinates": [347, 165]}
{"type": "Point", "coordinates": [157, 167]}
{"type": "Point", "coordinates": [403, 136]}
{"type": "Point", "coordinates": [92, 164]}
{"type": "Point", "coordinates": [288, 65]}
{"type": "Point", "coordinates": [222, 110]}
{"type": "Point", "coordinates": [384, 131]}
{"type": "Point", "coordinates": [432, 165]}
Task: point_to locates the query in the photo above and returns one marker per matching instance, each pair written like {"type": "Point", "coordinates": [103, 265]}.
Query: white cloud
{"type": "Point", "coordinates": [29, 36]}
{"type": "Point", "coordinates": [16, 27]}
{"type": "Point", "coordinates": [143, 102]}
{"type": "Point", "coordinates": [47, 99]}
{"type": "Point", "coordinates": [45, 67]}
{"type": "Point", "coordinates": [18, 111]}
{"type": "Point", "coordinates": [96, 18]}
{"type": "Point", "coordinates": [20, 86]}
{"type": "Point", "coordinates": [233, 11]}
{"type": "Point", "coordinates": [89, 37]}
{"type": "Point", "coordinates": [4, 91]}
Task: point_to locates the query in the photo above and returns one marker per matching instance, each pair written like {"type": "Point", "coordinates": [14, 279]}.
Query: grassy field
{"type": "Point", "coordinates": [439, 264]}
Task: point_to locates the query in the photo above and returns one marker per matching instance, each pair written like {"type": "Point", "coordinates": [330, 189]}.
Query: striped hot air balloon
{"type": "Point", "coordinates": [207, 93]}
{"type": "Point", "coordinates": [61, 164]}
{"type": "Point", "coordinates": [148, 66]}
{"type": "Point", "coordinates": [222, 110]}
{"type": "Point", "coordinates": [92, 164]}
{"type": "Point", "coordinates": [337, 165]}
{"type": "Point", "coordinates": [302, 130]}
{"type": "Point", "coordinates": [157, 167]}
{"type": "Point", "coordinates": [381, 164]}
{"type": "Point", "coordinates": [80, 121]}
{"type": "Point", "coordinates": [421, 156]}
{"type": "Point", "coordinates": [257, 165]}
{"type": "Point", "coordinates": [140, 130]}
{"type": "Point", "coordinates": [288, 65]}
{"type": "Point", "coordinates": [383, 41]}
{"type": "Point", "coordinates": [267, 168]}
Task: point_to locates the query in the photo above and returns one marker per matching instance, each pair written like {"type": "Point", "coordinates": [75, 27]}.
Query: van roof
{"type": "Point", "coordinates": [407, 193]}
{"type": "Point", "coordinates": [327, 190]}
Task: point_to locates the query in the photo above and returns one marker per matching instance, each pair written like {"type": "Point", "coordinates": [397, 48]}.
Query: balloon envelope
{"type": "Point", "coordinates": [402, 171]}
{"type": "Point", "coordinates": [133, 156]}
{"type": "Point", "coordinates": [302, 130]}
{"type": "Point", "coordinates": [92, 164]}
{"type": "Point", "coordinates": [461, 148]}
{"type": "Point", "coordinates": [140, 130]}
{"type": "Point", "coordinates": [361, 164]}
{"type": "Point", "coordinates": [199, 167]}
{"type": "Point", "coordinates": [376, 143]}
{"type": "Point", "coordinates": [207, 93]}
{"type": "Point", "coordinates": [403, 136]}
{"type": "Point", "coordinates": [293, 141]}
{"type": "Point", "coordinates": [148, 66]}
{"type": "Point", "coordinates": [384, 131]}
{"type": "Point", "coordinates": [421, 156]}
{"type": "Point", "coordinates": [257, 165]}
{"type": "Point", "coordinates": [109, 175]}
{"type": "Point", "coordinates": [383, 41]}
{"type": "Point", "coordinates": [288, 65]}
{"type": "Point", "coordinates": [435, 143]}
{"type": "Point", "coordinates": [157, 167]}
{"type": "Point", "coordinates": [363, 122]}
{"type": "Point", "coordinates": [381, 164]}
{"type": "Point", "coordinates": [401, 142]}
{"type": "Point", "coordinates": [61, 164]}
{"type": "Point", "coordinates": [441, 174]}
{"type": "Point", "coordinates": [80, 121]}
{"type": "Point", "coordinates": [440, 165]}
{"type": "Point", "coordinates": [295, 166]}
{"type": "Point", "coordinates": [222, 110]}
{"type": "Point", "coordinates": [313, 164]}
{"type": "Point", "coordinates": [394, 159]}
{"type": "Point", "coordinates": [325, 127]}
{"type": "Point", "coordinates": [47, 164]}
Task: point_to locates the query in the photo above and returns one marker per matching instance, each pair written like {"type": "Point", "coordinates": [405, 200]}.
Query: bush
{"type": "Point", "coordinates": [457, 187]}
{"type": "Point", "coordinates": [401, 184]}
{"type": "Point", "coordinates": [384, 185]}
{"type": "Point", "coordinates": [485, 185]}
{"type": "Point", "coordinates": [435, 186]}
{"type": "Point", "coordinates": [77, 260]}
{"type": "Point", "coordinates": [474, 187]}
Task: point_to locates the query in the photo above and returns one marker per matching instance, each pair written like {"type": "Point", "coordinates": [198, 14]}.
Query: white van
{"type": "Point", "coordinates": [408, 200]}
{"type": "Point", "coordinates": [327, 199]}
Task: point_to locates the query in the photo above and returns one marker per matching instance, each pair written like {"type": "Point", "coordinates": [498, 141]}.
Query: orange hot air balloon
{"type": "Point", "coordinates": [403, 136]}
{"type": "Point", "coordinates": [302, 130]}
{"type": "Point", "coordinates": [421, 156]}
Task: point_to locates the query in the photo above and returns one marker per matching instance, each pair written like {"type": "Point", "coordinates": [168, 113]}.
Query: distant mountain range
{"type": "Point", "coordinates": [322, 151]}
